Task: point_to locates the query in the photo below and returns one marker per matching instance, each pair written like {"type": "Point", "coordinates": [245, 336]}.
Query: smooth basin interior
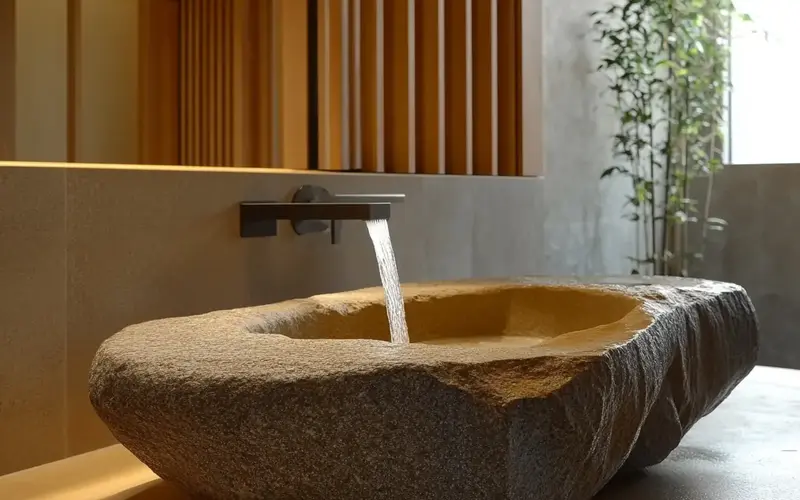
{"type": "Point", "coordinates": [483, 315]}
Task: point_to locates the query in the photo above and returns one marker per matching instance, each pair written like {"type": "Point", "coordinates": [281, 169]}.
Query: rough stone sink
{"type": "Point", "coordinates": [531, 388]}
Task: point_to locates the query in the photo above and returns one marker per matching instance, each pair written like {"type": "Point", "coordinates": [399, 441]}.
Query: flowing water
{"type": "Point", "coordinates": [395, 308]}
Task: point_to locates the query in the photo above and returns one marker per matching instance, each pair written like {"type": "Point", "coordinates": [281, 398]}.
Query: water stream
{"type": "Point", "coordinates": [387, 265]}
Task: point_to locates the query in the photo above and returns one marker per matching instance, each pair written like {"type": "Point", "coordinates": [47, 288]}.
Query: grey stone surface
{"type": "Point", "coordinates": [747, 449]}
{"type": "Point", "coordinates": [759, 249]}
{"type": "Point", "coordinates": [306, 399]}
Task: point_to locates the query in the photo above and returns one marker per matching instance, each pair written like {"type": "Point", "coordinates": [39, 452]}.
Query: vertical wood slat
{"type": "Point", "coordinates": [8, 84]}
{"type": "Point", "coordinates": [430, 86]}
{"type": "Point", "coordinates": [508, 88]}
{"type": "Point", "coordinates": [250, 84]}
{"type": "Point", "coordinates": [204, 63]}
{"type": "Point", "coordinates": [208, 34]}
{"type": "Point", "coordinates": [74, 50]}
{"type": "Point", "coordinates": [426, 85]}
{"type": "Point", "coordinates": [272, 74]}
{"type": "Point", "coordinates": [186, 37]}
{"type": "Point", "coordinates": [207, 82]}
{"type": "Point", "coordinates": [211, 76]}
{"type": "Point", "coordinates": [225, 96]}
{"type": "Point", "coordinates": [452, 74]}
{"type": "Point", "coordinates": [334, 83]}
{"type": "Point", "coordinates": [264, 86]}
{"type": "Point", "coordinates": [484, 41]}
{"type": "Point", "coordinates": [400, 80]}
{"type": "Point", "coordinates": [291, 101]}
{"type": "Point", "coordinates": [372, 85]}
{"type": "Point", "coordinates": [242, 113]}
{"type": "Point", "coordinates": [458, 87]}
{"type": "Point", "coordinates": [324, 82]}
{"type": "Point", "coordinates": [355, 85]}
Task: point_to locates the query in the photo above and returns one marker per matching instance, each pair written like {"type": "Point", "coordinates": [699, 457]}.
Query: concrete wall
{"type": "Point", "coordinates": [759, 250]}
{"type": "Point", "coordinates": [84, 252]}
{"type": "Point", "coordinates": [582, 215]}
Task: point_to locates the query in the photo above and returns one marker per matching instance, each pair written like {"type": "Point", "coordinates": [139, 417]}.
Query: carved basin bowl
{"type": "Point", "coordinates": [526, 388]}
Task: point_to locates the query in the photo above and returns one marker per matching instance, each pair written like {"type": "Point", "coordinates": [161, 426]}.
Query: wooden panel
{"type": "Point", "coordinates": [334, 83]}
{"type": "Point", "coordinates": [484, 42]}
{"type": "Point", "coordinates": [458, 87]}
{"type": "Point", "coordinates": [251, 83]}
{"type": "Point", "coordinates": [243, 47]}
{"type": "Point", "coordinates": [341, 39]}
{"type": "Point", "coordinates": [291, 40]}
{"type": "Point", "coordinates": [508, 87]}
{"type": "Point", "coordinates": [372, 85]}
{"type": "Point", "coordinates": [74, 50]}
{"type": "Point", "coordinates": [159, 68]}
{"type": "Point", "coordinates": [324, 82]}
{"type": "Point", "coordinates": [228, 85]}
{"type": "Point", "coordinates": [355, 85]}
{"type": "Point", "coordinates": [8, 90]}
{"type": "Point", "coordinates": [400, 86]}
{"type": "Point", "coordinates": [262, 87]}
{"type": "Point", "coordinates": [430, 88]}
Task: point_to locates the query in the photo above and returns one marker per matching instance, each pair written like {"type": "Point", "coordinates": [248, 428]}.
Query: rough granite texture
{"type": "Point", "coordinates": [307, 400]}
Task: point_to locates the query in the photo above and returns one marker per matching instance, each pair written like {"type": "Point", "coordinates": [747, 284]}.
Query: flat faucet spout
{"type": "Point", "coordinates": [310, 210]}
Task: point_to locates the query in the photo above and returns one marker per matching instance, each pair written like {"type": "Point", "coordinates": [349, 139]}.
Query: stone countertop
{"type": "Point", "coordinates": [747, 449]}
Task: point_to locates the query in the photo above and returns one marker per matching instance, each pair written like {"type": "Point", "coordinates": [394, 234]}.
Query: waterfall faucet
{"type": "Point", "coordinates": [310, 210]}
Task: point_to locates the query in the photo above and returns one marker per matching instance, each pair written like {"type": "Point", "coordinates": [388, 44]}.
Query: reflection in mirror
{"type": "Point", "coordinates": [329, 84]}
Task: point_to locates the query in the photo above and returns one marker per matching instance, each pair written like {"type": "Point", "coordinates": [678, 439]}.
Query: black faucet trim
{"type": "Point", "coordinates": [310, 209]}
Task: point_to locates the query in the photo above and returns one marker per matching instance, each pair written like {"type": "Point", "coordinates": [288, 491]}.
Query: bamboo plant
{"type": "Point", "coordinates": [667, 65]}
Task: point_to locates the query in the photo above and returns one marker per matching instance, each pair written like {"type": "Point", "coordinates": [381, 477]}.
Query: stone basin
{"type": "Point", "coordinates": [528, 388]}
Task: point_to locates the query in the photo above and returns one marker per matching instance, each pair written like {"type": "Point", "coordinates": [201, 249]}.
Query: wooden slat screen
{"type": "Point", "coordinates": [404, 86]}
{"type": "Point", "coordinates": [206, 68]}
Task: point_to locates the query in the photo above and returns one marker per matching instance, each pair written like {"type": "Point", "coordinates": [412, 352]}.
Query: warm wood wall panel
{"type": "Point", "coordinates": [508, 87]}
{"type": "Point", "coordinates": [207, 65]}
{"type": "Point", "coordinates": [458, 86]}
{"type": "Point", "coordinates": [435, 86]}
{"type": "Point", "coordinates": [370, 50]}
{"type": "Point", "coordinates": [223, 82]}
{"type": "Point", "coordinates": [484, 87]}
{"type": "Point", "coordinates": [159, 74]}
{"type": "Point", "coordinates": [8, 91]}
{"type": "Point", "coordinates": [403, 86]}
{"type": "Point", "coordinates": [334, 84]}
{"type": "Point", "coordinates": [430, 57]}
{"type": "Point", "coordinates": [400, 96]}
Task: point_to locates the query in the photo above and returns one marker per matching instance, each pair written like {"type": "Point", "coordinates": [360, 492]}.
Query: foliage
{"type": "Point", "coordinates": [667, 63]}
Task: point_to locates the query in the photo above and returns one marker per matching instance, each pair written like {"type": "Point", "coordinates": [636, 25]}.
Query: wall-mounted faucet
{"type": "Point", "coordinates": [310, 210]}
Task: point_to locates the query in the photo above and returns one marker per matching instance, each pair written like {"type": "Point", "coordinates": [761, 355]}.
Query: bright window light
{"type": "Point", "coordinates": [765, 72]}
